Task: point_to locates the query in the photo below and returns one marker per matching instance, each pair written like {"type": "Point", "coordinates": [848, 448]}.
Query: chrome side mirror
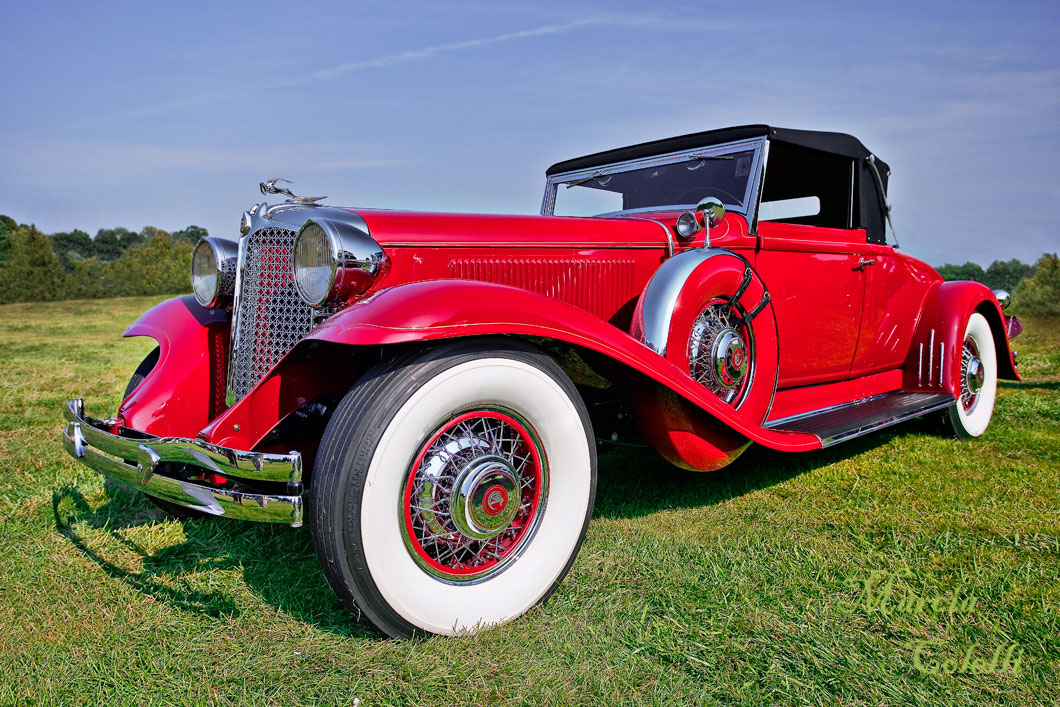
{"type": "Point", "coordinates": [713, 211]}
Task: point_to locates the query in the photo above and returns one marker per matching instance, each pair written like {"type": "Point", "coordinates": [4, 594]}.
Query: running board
{"type": "Point", "coordinates": [842, 422]}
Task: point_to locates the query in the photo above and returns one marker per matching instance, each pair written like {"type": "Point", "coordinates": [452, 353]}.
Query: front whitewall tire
{"type": "Point", "coordinates": [358, 494]}
{"type": "Point", "coordinates": [423, 600]}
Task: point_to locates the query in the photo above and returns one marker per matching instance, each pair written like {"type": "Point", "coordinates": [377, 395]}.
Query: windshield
{"type": "Point", "coordinates": [679, 181]}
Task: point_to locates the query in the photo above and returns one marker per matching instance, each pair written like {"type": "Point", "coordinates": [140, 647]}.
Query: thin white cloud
{"type": "Point", "coordinates": [543, 31]}
{"type": "Point", "coordinates": [143, 111]}
{"type": "Point", "coordinates": [79, 162]}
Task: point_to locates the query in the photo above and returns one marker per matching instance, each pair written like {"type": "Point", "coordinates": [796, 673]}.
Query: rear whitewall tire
{"type": "Point", "coordinates": [402, 406]}
{"type": "Point", "coordinates": [968, 422]}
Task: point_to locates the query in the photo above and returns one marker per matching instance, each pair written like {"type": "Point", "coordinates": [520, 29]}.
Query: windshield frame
{"type": "Point", "coordinates": [750, 196]}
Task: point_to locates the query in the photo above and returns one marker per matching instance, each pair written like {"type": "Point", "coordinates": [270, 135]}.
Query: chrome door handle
{"type": "Point", "coordinates": [863, 262]}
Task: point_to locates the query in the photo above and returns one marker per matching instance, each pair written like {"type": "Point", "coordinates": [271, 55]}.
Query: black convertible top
{"type": "Point", "coordinates": [871, 216]}
{"type": "Point", "coordinates": [836, 143]}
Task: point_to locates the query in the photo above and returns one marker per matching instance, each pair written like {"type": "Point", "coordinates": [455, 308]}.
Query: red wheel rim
{"type": "Point", "coordinates": [473, 495]}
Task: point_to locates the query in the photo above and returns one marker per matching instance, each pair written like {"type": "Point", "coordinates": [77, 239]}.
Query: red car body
{"type": "Point", "coordinates": [843, 333]}
{"type": "Point", "coordinates": [535, 289]}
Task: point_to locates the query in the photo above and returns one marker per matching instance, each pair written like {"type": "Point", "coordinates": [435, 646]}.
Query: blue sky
{"type": "Point", "coordinates": [167, 114]}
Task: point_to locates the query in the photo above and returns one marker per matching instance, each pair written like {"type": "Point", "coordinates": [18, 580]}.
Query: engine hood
{"type": "Point", "coordinates": [397, 229]}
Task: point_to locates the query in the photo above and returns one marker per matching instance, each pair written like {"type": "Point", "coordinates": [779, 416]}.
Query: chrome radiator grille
{"type": "Point", "coordinates": [270, 316]}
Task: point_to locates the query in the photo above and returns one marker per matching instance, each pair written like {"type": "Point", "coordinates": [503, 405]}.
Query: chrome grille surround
{"type": "Point", "coordinates": [269, 317]}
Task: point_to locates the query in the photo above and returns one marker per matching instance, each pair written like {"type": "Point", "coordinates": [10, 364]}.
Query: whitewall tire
{"type": "Point", "coordinates": [970, 414]}
{"type": "Point", "coordinates": [453, 487]}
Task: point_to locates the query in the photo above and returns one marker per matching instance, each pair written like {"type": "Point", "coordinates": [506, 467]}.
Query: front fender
{"type": "Point", "coordinates": [445, 309]}
{"type": "Point", "coordinates": [934, 359]}
{"type": "Point", "coordinates": [186, 387]}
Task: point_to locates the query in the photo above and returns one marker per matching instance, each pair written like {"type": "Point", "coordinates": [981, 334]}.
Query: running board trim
{"type": "Point", "coordinates": [842, 422]}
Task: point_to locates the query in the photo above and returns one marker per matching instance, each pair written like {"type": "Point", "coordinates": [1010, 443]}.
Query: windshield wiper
{"type": "Point", "coordinates": [595, 175]}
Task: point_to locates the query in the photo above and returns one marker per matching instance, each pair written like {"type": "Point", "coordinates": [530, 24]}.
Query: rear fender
{"type": "Point", "coordinates": [934, 359]}
{"type": "Point", "coordinates": [186, 387]}
{"type": "Point", "coordinates": [446, 309]}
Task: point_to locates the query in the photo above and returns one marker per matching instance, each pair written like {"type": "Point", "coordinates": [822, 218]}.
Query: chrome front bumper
{"type": "Point", "coordinates": [134, 457]}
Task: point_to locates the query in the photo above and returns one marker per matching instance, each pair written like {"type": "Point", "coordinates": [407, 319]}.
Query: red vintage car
{"type": "Point", "coordinates": [419, 385]}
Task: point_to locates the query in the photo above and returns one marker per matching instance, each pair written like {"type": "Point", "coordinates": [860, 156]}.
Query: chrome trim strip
{"type": "Point", "coordinates": [752, 222]}
{"type": "Point", "coordinates": [235, 463]}
{"type": "Point", "coordinates": [920, 366]}
{"type": "Point", "coordinates": [660, 297]}
{"type": "Point", "coordinates": [931, 358]}
{"type": "Point", "coordinates": [942, 365]}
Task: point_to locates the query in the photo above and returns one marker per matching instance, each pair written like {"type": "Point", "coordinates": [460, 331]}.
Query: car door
{"type": "Point", "coordinates": [815, 277]}
{"type": "Point", "coordinates": [895, 288]}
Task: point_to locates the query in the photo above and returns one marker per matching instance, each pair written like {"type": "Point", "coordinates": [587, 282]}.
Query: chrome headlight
{"type": "Point", "coordinates": [334, 261]}
{"type": "Point", "coordinates": [213, 271]}
{"type": "Point", "coordinates": [688, 224]}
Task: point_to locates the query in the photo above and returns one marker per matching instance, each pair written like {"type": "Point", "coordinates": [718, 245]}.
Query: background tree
{"type": "Point", "coordinates": [72, 247]}
{"type": "Point", "coordinates": [1040, 294]}
{"type": "Point", "coordinates": [7, 226]}
{"type": "Point", "coordinates": [191, 234]}
{"type": "Point", "coordinates": [31, 272]}
{"type": "Point", "coordinates": [1006, 274]}
{"type": "Point", "coordinates": [158, 266]}
{"type": "Point", "coordinates": [968, 271]}
{"type": "Point", "coordinates": [110, 243]}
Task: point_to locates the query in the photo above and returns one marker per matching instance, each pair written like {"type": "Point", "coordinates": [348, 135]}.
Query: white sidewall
{"type": "Point", "coordinates": [425, 601]}
{"type": "Point", "coordinates": [976, 421]}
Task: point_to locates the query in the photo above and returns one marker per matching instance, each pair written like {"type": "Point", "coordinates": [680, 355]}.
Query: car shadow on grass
{"type": "Point", "coordinates": [277, 563]}
{"type": "Point", "coordinates": [635, 482]}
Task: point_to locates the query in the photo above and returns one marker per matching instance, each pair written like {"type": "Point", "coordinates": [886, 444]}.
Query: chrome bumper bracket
{"type": "Point", "coordinates": [135, 460]}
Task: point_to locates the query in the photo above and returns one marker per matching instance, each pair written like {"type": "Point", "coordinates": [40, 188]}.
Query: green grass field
{"type": "Point", "coordinates": [745, 586]}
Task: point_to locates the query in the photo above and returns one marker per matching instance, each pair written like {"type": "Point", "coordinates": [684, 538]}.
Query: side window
{"type": "Point", "coordinates": [808, 187]}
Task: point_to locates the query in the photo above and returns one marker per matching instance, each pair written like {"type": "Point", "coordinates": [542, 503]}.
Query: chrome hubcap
{"type": "Point", "coordinates": [474, 496]}
{"type": "Point", "coordinates": [972, 375]}
{"type": "Point", "coordinates": [730, 358]}
{"type": "Point", "coordinates": [718, 356]}
{"type": "Point", "coordinates": [484, 496]}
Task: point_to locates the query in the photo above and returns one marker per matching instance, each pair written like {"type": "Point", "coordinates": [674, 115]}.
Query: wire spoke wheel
{"type": "Point", "coordinates": [719, 352]}
{"type": "Point", "coordinates": [473, 496]}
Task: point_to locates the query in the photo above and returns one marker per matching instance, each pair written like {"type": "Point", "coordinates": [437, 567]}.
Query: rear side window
{"type": "Point", "coordinates": [807, 186]}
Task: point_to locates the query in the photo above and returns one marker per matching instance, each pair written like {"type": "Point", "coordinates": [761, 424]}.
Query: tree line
{"type": "Point", "coordinates": [1035, 289]}
{"type": "Point", "coordinates": [35, 267]}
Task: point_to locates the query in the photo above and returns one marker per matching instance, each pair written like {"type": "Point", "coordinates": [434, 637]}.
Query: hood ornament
{"type": "Point", "coordinates": [269, 186]}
